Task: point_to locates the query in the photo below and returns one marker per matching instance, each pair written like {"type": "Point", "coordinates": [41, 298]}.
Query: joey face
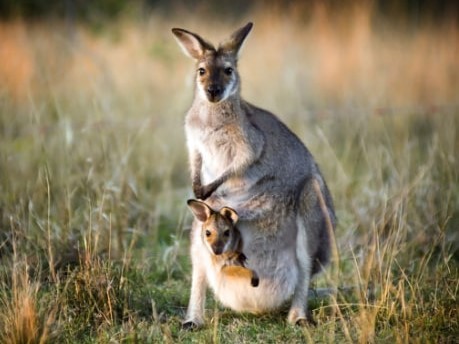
{"type": "Point", "coordinates": [216, 76]}
{"type": "Point", "coordinates": [218, 233]}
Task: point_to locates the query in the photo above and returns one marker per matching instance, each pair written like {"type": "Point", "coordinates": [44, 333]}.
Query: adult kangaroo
{"type": "Point", "coordinates": [245, 158]}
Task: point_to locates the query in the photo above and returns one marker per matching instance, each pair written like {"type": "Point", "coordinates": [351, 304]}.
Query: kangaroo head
{"type": "Point", "coordinates": [218, 231]}
{"type": "Point", "coordinates": [216, 68]}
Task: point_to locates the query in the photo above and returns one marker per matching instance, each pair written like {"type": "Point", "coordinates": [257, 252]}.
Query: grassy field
{"type": "Point", "coordinates": [93, 177]}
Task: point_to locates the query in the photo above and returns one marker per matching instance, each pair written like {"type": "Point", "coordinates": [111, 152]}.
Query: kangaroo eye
{"type": "Point", "coordinates": [226, 233]}
{"type": "Point", "coordinates": [201, 71]}
{"type": "Point", "coordinates": [228, 71]}
{"type": "Point", "coordinates": [208, 233]}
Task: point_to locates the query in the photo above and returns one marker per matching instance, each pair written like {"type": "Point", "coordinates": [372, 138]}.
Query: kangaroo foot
{"type": "Point", "coordinates": [190, 326]}
{"type": "Point", "coordinates": [309, 321]}
{"type": "Point", "coordinates": [301, 318]}
{"type": "Point", "coordinates": [304, 321]}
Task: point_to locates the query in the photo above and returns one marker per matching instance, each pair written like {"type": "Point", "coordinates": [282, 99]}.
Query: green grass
{"type": "Point", "coordinates": [94, 178]}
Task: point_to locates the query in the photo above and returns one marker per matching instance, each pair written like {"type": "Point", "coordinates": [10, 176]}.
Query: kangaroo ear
{"type": "Point", "coordinates": [200, 209]}
{"type": "Point", "coordinates": [192, 44]}
{"type": "Point", "coordinates": [234, 43]}
{"type": "Point", "coordinates": [230, 214]}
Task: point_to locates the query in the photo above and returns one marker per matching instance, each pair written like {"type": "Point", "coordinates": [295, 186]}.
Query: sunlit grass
{"type": "Point", "coordinates": [94, 177]}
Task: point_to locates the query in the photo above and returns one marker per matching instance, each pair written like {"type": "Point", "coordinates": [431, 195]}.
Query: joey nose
{"type": "Point", "coordinates": [218, 250]}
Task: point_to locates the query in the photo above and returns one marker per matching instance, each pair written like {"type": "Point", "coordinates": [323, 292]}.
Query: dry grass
{"type": "Point", "coordinates": [93, 175]}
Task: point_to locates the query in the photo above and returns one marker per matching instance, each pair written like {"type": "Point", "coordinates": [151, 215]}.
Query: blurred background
{"type": "Point", "coordinates": [328, 53]}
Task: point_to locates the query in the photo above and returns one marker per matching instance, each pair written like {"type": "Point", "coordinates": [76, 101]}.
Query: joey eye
{"type": "Point", "coordinates": [226, 233]}
{"type": "Point", "coordinates": [201, 71]}
{"type": "Point", "coordinates": [208, 233]}
{"type": "Point", "coordinates": [229, 71]}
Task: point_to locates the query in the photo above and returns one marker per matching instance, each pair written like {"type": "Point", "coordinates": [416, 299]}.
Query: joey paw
{"type": "Point", "coordinates": [254, 282]}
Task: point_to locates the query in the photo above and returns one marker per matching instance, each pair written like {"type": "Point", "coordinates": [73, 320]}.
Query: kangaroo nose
{"type": "Point", "coordinates": [214, 90]}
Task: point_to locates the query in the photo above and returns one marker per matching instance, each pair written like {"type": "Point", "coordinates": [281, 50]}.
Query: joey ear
{"type": "Point", "coordinates": [200, 209]}
{"type": "Point", "coordinates": [234, 43]}
{"type": "Point", "coordinates": [230, 214]}
{"type": "Point", "coordinates": [192, 45]}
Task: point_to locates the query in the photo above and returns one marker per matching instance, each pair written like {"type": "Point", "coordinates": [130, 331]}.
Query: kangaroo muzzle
{"type": "Point", "coordinates": [214, 92]}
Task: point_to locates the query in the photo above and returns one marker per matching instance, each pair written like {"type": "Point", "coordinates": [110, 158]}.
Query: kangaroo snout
{"type": "Point", "coordinates": [214, 92]}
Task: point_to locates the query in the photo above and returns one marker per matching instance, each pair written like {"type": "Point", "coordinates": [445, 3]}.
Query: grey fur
{"type": "Point", "coordinates": [244, 157]}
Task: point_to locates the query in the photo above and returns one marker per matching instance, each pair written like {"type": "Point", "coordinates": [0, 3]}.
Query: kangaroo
{"type": "Point", "coordinates": [223, 240]}
{"type": "Point", "coordinates": [244, 157]}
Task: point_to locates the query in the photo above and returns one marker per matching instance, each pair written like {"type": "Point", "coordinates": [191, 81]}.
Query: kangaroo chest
{"type": "Point", "coordinates": [220, 147]}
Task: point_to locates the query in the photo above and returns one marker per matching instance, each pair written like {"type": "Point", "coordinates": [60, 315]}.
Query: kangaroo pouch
{"type": "Point", "coordinates": [277, 280]}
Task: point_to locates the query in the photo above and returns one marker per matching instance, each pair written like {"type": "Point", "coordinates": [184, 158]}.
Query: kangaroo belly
{"type": "Point", "coordinates": [242, 297]}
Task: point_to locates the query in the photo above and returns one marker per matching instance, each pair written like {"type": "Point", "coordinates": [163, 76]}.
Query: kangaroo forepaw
{"type": "Point", "coordinates": [198, 192]}
{"type": "Point", "coordinates": [254, 282]}
{"type": "Point", "coordinates": [206, 191]}
{"type": "Point", "coordinates": [203, 192]}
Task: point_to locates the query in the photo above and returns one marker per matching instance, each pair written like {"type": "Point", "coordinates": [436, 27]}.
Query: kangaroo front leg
{"type": "Point", "coordinates": [298, 310]}
{"type": "Point", "coordinates": [206, 190]}
{"type": "Point", "coordinates": [196, 166]}
{"type": "Point", "coordinates": [195, 313]}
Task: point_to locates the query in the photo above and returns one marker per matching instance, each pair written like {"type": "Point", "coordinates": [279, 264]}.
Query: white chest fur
{"type": "Point", "coordinates": [221, 145]}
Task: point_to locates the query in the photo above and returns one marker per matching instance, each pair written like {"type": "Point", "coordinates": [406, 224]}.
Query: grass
{"type": "Point", "coordinates": [94, 178]}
